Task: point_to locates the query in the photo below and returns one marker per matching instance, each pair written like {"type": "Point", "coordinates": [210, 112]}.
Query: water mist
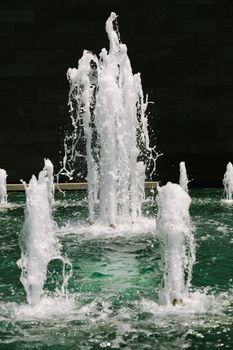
{"type": "Point", "coordinates": [176, 242]}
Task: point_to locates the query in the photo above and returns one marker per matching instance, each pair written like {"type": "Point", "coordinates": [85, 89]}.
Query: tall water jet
{"type": "Point", "coordinates": [183, 177]}
{"type": "Point", "coordinates": [107, 109]}
{"type": "Point", "coordinates": [3, 190]}
{"type": "Point", "coordinates": [38, 242]}
{"type": "Point", "coordinates": [228, 182]}
{"type": "Point", "coordinates": [176, 242]}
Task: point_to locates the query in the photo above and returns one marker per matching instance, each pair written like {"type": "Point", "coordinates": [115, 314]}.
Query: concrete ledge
{"type": "Point", "coordinates": [72, 186]}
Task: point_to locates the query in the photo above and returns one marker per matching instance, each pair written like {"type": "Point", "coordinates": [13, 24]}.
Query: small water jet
{"type": "Point", "coordinates": [3, 190]}
{"type": "Point", "coordinates": [38, 241]}
{"type": "Point", "coordinates": [183, 177]}
{"type": "Point", "coordinates": [48, 167]}
{"type": "Point", "coordinates": [176, 242]}
{"type": "Point", "coordinates": [108, 114]}
{"type": "Point", "coordinates": [228, 184]}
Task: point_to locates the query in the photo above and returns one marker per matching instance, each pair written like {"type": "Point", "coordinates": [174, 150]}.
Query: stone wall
{"type": "Point", "coordinates": [183, 49]}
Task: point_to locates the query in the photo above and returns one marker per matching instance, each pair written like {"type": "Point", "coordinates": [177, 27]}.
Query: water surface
{"type": "Point", "coordinates": [113, 293]}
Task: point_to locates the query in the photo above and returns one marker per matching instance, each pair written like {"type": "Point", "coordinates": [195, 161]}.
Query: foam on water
{"type": "Point", "coordinates": [195, 303]}
{"type": "Point", "coordinates": [9, 206]}
{"type": "Point", "coordinates": [199, 302]}
{"type": "Point", "coordinates": [138, 227]}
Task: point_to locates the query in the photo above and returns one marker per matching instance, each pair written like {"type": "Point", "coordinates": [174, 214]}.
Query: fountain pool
{"type": "Point", "coordinates": [113, 294]}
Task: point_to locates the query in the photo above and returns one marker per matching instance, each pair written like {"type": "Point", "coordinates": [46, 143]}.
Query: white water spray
{"type": "Point", "coordinates": [176, 242]}
{"type": "Point", "coordinates": [107, 109]}
{"type": "Point", "coordinates": [3, 190]}
{"type": "Point", "coordinates": [48, 167]}
{"type": "Point", "coordinates": [183, 177]}
{"type": "Point", "coordinates": [38, 242]}
{"type": "Point", "coordinates": [228, 182]}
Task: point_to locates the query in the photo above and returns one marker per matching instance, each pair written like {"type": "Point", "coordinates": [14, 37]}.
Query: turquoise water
{"type": "Point", "coordinates": [113, 293]}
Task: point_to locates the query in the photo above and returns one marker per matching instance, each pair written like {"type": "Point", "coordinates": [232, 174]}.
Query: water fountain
{"type": "Point", "coordinates": [48, 167]}
{"type": "Point", "coordinates": [228, 183]}
{"type": "Point", "coordinates": [115, 277]}
{"type": "Point", "coordinates": [183, 177]}
{"type": "Point", "coordinates": [3, 190]}
{"type": "Point", "coordinates": [176, 242]}
{"type": "Point", "coordinates": [107, 110]}
{"type": "Point", "coordinates": [38, 242]}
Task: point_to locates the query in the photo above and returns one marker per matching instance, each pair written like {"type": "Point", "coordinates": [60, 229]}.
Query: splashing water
{"type": "Point", "coordinates": [176, 242]}
{"type": "Point", "coordinates": [107, 110]}
{"type": "Point", "coordinates": [3, 191]}
{"type": "Point", "coordinates": [228, 182]}
{"type": "Point", "coordinates": [38, 242]}
{"type": "Point", "coordinates": [48, 167]}
{"type": "Point", "coordinates": [183, 177]}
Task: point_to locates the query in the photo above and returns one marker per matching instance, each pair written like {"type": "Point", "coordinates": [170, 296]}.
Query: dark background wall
{"type": "Point", "coordinates": [183, 49]}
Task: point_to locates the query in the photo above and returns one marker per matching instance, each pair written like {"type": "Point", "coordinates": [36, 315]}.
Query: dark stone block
{"type": "Point", "coordinates": [165, 39]}
{"type": "Point", "coordinates": [196, 52]}
{"type": "Point", "coordinates": [7, 29]}
{"type": "Point", "coordinates": [35, 56]}
{"type": "Point", "coordinates": [161, 53]}
{"type": "Point", "coordinates": [224, 24]}
{"type": "Point", "coordinates": [14, 16]}
{"type": "Point", "coordinates": [225, 79]}
{"type": "Point", "coordinates": [192, 2]}
{"type": "Point", "coordinates": [187, 92]}
{"type": "Point", "coordinates": [225, 66]}
{"type": "Point", "coordinates": [224, 10]}
{"type": "Point", "coordinates": [8, 95]}
{"type": "Point", "coordinates": [196, 79]}
{"type": "Point", "coordinates": [207, 93]}
{"type": "Point", "coordinates": [46, 69]}
{"type": "Point", "coordinates": [22, 42]}
{"type": "Point", "coordinates": [225, 51]}
{"type": "Point", "coordinates": [5, 43]}
{"type": "Point", "coordinates": [223, 38]}
{"type": "Point", "coordinates": [225, 106]}
{"type": "Point", "coordinates": [98, 3]}
{"type": "Point", "coordinates": [80, 28]}
{"type": "Point", "coordinates": [225, 93]}
{"type": "Point", "coordinates": [159, 12]}
{"type": "Point", "coordinates": [205, 38]}
{"type": "Point", "coordinates": [26, 95]}
{"type": "Point", "coordinates": [7, 56]}
{"type": "Point", "coordinates": [185, 106]}
{"type": "Point", "coordinates": [196, 25]}
{"type": "Point", "coordinates": [205, 11]}
{"type": "Point", "coordinates": [53, 96]}
{"type": "Point", "coordinates": [16, 70]}
{"type": "Point", "coordinates": [18, 137]}
{"type": "Point", "coordinates": [195, 66]}
{"type": "Point", "coordinates": [155, 26]}
{"type": "Point", "coordinates": [34, 29]}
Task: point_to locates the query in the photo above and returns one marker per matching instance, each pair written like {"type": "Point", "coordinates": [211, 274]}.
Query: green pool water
{"type": "Point", "coordinates": [112, 299]}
